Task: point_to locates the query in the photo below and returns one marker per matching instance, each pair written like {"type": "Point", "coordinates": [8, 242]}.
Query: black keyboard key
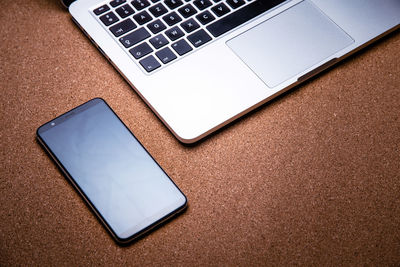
{"type": "Point", "coordinates": [122, 27]}
{"type": "Point", "coordinates": [199, 38]}
{"type": "Point", "coordinates": [202, 4]}
{"type": "Point", "coordinates": [140, 4]}
{"type": "Point", "coordinates": [220, 9]}
{"type": "Point", "coordinates": [205, 17]}
{"type": "Point", "coordinates": [142, 18]}
{"type": "Point", "coordinates": [158, 41]}
{"type": "Point", "coordinates": [166, 55]}
{"type": "Point", "coordinates": [141, 50]}
{"type": "Point", "coordinates": [174, 33]}
{"type": "Point", "coordinates": [158, 10]}
{"type": "Point", "coordinates": [156, 26]}
{"type": "Point", "coordinates": [190, 25]}
{"type": "Point", "coordinates": [187, 11]}
{"type": "Point", "coordinates": [181, 47]}
{"type": "Point", "coordinates": [134, 37]}
{"type": "Point", "coordinates": [109, 18]}
{"type": "Point", "coordinates": [172, 4]}
{"type": "Point", "coordinates": [101, 10]}
{"type": "Point", "coordinates": [125, 11]}
{"type": "Point", "coordinates": [236, 3]}
{"type": "Point", "coordinates": [116, 3]}
{"type": "Point", "coordinates": [150, 63]}
{"type": "Point", "coordinates": [172, 18]}
{"type": "Point", "coordinates": [241, 16]}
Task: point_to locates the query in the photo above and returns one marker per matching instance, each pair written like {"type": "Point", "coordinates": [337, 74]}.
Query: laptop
{"type": "Point", "coordinates": [201, 64]}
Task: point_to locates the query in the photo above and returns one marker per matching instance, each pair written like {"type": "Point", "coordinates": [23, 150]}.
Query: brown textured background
{"type": "Point", "coordinates": [311, 178]}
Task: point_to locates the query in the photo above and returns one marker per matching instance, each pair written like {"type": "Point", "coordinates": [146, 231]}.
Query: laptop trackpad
{"type": "Point", "coordinates": [289, 43]}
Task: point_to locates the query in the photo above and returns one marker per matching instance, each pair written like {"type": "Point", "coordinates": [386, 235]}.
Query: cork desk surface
{"type": "Point", "coordinates": [311, 178]}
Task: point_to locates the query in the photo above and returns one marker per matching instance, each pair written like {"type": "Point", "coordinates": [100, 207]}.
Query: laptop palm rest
{"type": "Point", "coordinates": [289, 43]}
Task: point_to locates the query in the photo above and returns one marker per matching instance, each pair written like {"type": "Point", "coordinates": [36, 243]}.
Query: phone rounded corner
{"type": "Point", "coordinates": [123, 241]}
{"type": "Point", "coordinates": [40, 130]}
{"type": "Point", "coordinates": [98, 99]}
{"type": "Point", "coordinates": [185, 204]}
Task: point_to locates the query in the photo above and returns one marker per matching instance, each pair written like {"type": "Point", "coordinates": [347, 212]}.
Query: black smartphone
{"type": "Point", "coordinates": [126, 188]}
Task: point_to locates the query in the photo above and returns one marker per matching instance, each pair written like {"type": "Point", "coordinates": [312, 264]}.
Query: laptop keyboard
{"type": "Point", "coordinates": [157, 32]}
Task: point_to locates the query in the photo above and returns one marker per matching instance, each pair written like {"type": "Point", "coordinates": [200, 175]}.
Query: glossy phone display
{"type": "Point", "coordinates": [113, 172]}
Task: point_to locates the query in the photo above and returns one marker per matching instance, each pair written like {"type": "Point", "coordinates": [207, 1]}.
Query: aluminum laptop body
{"type": "Point", "coordinates": [242, 68]}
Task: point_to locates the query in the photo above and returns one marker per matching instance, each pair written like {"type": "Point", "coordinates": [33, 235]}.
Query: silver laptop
{"type": "Point", "coordinates": [200, 64]}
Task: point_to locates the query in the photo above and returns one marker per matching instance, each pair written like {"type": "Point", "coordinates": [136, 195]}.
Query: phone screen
{"type": "Point", "coordinates": [108, 165]}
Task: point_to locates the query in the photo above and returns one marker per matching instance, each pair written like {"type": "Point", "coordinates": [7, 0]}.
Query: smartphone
{"type": "Point", "coordinates": [125, 187]}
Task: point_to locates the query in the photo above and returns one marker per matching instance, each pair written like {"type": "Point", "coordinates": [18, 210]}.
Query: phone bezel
{"type": "Point", "coordinates": [71, 113]}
